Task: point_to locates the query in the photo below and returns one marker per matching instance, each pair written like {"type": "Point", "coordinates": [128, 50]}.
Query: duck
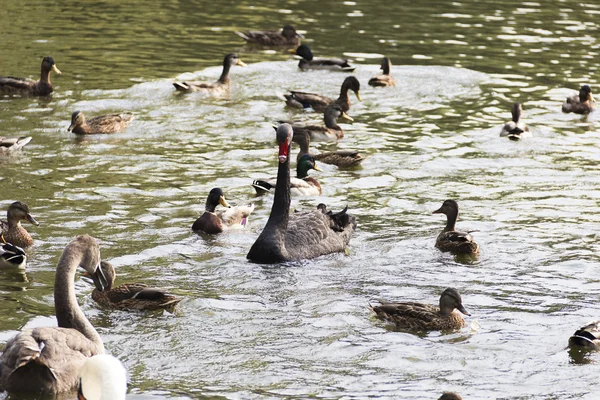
{"type": "Point", "coordinates": [11, 144]}
{"type": "Point", "coordinates": [109, 123]}
{"type": "Point", "coordinates": [587, 337]}
{"type": "Point", "coordinates": [515, 129]}
{"type": "Point", "coordinates": [450, 396]}
{"type": "Point", "coordinates": [301, 185]}
{"type": "Point", "coordinates": [212, 222]}
{"type": "Point", "coordinates": [300, 235]}
{"type": "Point", "coordinates": [450, 239]}
{"type": "Point", "coordinates": [11, 256]}
{"type": "Point", "coordinates": [385, 79]}
{"type": "Point", "coordinates": [582, 103]}
{"type": "Point", "coordinates": [132, 296]}
{"type": "Point", "coordinates": [220, 87]}
{"type": "Point", "coordinates": [331, 131]}
{"type": "Point", "coordinates": [308, 61]}
{"type": "Point", "coordinates": [319, 103]}
{"type": "Point", "coordinates": [340, 158]}
{"type": "Point", "coordinates": [102, 377]}
{"type": "Point", "coordinates": [12, 231]}
{"type": "Point", "coordinates": [425, 317]}
{"type": "Point", "coordinates": [286, 37]}
{"type": "Point", "coordinates": [47, 360]}
{"type": "Point", "coordinates": [23, 86]}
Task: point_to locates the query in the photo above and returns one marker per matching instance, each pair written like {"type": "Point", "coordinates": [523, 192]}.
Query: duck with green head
{"type": "Point", "coordinates": [301, 185]}
{"type": "Point", "coordinates": [319, 103]}
{"type": "Point", "coordinates": [212, 221]}
{"type": "Point", "coordinates": [582, 103]}
{"type": "Point", "coordinates": [385, 79]}
{"type": "Point", "coordinates": [28, 87]}
{"type": "Point", "coordinates": [12, 231]}
{"type": "Point", "coordinates": [101, 124]}
{"type": "Point", "coordinates": [286, 37]}
{"type": "Point", "coordinates": [450, 239]}
{"type": "Point", "coordinates": [308, 61]}
{"type": "Point", "coordinates": [218, 88]}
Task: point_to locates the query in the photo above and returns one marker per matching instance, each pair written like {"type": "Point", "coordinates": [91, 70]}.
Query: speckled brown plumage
{"type": "Point", "coordinates": [27, 87]}
{"type": "Point", "coordinates": [582, 103]}
{"type": "Point", "coordinates": [218, 88]}
{"type": "Point", "coordinates": [286, 37]}
{"type": "Point", "coordinates": [331, 131]}
{"type": "Point", "coordinates": [340, 158]}
{"type": "Point", "coordinates": [450, 239]}
{"type": "Point", "coordinates": [12, 230]}
{"type": "Point", "coordinates": [101, 124]}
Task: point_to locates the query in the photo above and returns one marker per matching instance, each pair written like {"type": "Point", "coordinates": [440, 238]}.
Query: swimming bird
{"type": "Point", "coordinates": [385, 79]}
{"type": "Point", "coordinates": [515, 129]}
{"type": "Point", "coordinates": [220, 87]}
{"type": "Point", "coordinates": [11, 144]}
{"type": "Point", "coordinates": [23, 86]}
{"type": "Point", "coordinates": [300, 235]}
{"type": "Point", "coordinates": [48, 360]}
{"type": "Point", "coordinates": [102, 377]}
{"type": "Point", "coordinates": [132, 296]}
{"type": "Point", "coordinates": [301, 185]}
{"type": "Point", "coordinates": [582, 103]}
{"type": "Point", "coordinates": [341, 158]}
{"type": "Point", "coordinates": [450, 396]}
{"type": "Point", "coordinates": [109, 123]}
{"type": "Point", "coordinates": [331, 131]}
{"type": "Point", "coordinates": [587, 337]}
{"type": "Point", "coordinates": [216, 222]}
{"type": "Point", "coordinates": [308, 61]}
{"type": "Point", "coordinates": [450, 239]}
{"type": "Point", "coordinates": [418, 316]}
{"type": "Point", "coordinates": [286, 37]}
{"type": "Point", "coordinates": [11, 256]}
{"type": "Point", "coordinates": [12, 230]}
{"type": "Point", "coordinates": [319, 103]}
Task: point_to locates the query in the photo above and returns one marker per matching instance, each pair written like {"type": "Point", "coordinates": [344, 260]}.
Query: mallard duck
{"type": "Point", "coordinates": [385, 79]}
{"type": "Point", "coordinates": [450, 396]}
{"type": "Point", "coordinates": [301, 185]}
{"type": "Point", "coordinates": [45, 361]}
{"type": "Point", "coordinates": [331, 131]}
{"type": "Point", "coordinates": [341, 158]}
{"type": "Point", "coordinates": [516, 129]}
{"type": "Point", "coordinates": [310, 62]}
{"type": "Point", "coordinates": [10, 144]}
{"type": "Point", "coordinates": [11, 256]}
{"type": "Point", "coordinates": [587, 337]}
{"type": "Point", "coordinates": [109, 123]}
{"type": "Point", "coordinates": [300, 235]}
{"type": "Point", "coordinates": [287, 37]}
{"type": "Point", "coordinates": [102, 377]}
{"type": "Point", "coordinates": [450, 239]}
{"type": "Point", "coordinates": [23, 86]}
{"type": "Point", "coordinates": [319, 103]}
{"type": "Point", "coordinates": [418, 316]}
{"type": "Point", "coordinates": [132, 296]}
{"type": "Point", "coordinates": [218, 88]}
{"type": "Point", "coordinates": [582, 103]}
{"type": "Point", "coordinates": [12, 230]}
{"type": "Point", "coordinates": [216, 222]}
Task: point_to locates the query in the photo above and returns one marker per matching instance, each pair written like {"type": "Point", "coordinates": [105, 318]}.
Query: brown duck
{"type": "Point", "coordinates": [341, 158]}
{"type": "Point", "coordinates": [12, 230]}
{"type": "Point", "coordinates": [329, 132]}
{"type": "Point", "coordinates": [450, 239]}
{"type": "Point", "coordinates": [319, 103]}
{"type": "Point", "coordinates": [582, 103]}
{"type": "Point", "coordinates": [286, 37]}
{"type": "Point", "coordinates": [218, 88]}
{"type": "Point", "coordinates": [109, 123]}
{"type": "Point", "coordinates": [22, 86]}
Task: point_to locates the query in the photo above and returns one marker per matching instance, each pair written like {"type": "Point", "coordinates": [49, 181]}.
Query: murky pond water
{"type": "Point", "coordinates": [304, 330]}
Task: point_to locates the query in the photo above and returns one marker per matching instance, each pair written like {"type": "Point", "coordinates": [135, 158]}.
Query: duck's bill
{"type": "Point", "coordinates": [462, 310]}
{"type": "Point", "coordinates": [292, 51]}
{"type": "Point", "coordinates": [70, 128]}
{"type": "Point", "coordinates": [241, 63]}
{"type": "Point", "coordinates": [317, 168]}
{"type": "Point", "coordinates": [358, 96]}
{"type": "Point", "coordinates": [301, 36]}
{"type": "Point", "coordinates": [346, 116]}
{"type": "Point", "coordinates": [99, 279]}
{"type": "Point", "coordinates": [56, 70]}
{"type": "Point", "coordinates": [32, 220]}
{"type": "Point", "coordinates": [223, 202]}
{"type": "Point", "coordinates": [438, 211]}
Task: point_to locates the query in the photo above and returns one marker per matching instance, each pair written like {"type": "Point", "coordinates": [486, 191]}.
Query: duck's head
{"type": "Point", "coordinates": [232, 59]}
{"type": "Point", "coordinates": [289, 32]}
{"type": "Point", "coordinates": [109, 273]}
{"type": "Point", "coordinates": [353, 84]}
{"type": "Point", "coordinates": [305, 164]}
{"type": "Point", "coordinates": [88, 248]}
{"type": "Point", "coordinates": [585, 94]}
{"type": "Point", "coordinates": [386, 65]}
{"type": "Point", "coordinates": [451, 300]}
{"type": "Point", "coordinates": [284, 136]}
{"type": "Point", "coordinates": [77, 119]}
{"type": "Point", "coordinates": [450, 396]}
{"type": "Point", "coordinates": [19, 211]}
{"type": "Point", "coordinates": [335, 111]}
{"type": "Point", "coordinates": [449, 207]}
{"type": "Point", "coordinates": [102, 377]}
{"type": "Point", "coordinates": [216, 197]}
{"type": "Point", "coordinates": [48, 64]}
{"type": "Point", "coordinates": [304, 52]}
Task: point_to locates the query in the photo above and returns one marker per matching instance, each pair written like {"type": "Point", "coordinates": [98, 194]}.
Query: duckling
{"type": "Point", "coordinates": [450, 239]}
{"type": "Point", "coordinates": [418, 316]}
{"type": "Point", "coordinates": [231, 218]}
{"type": "Point", "coordinates": [109, 123]}
{"type": "Point", "coordinates": [385, 79]}
{"type": "Point", "coordinates": [301, 185]}
{"type": "Point", "coordinates": [319, 103]}
{"type": "Point", "coordinates": [23, 86]}
{"type": "Point", "coordinates": [11, 144]}
{"type": "Point", "coordinates": [587, 337]}
{"type": "Point", "coordinates": [11, 230]}
{"type": "Point", "coordinates": [310, 62]}
{"type": "Point", "coordinates": [11, 256]}
{"type": "Point", "coordinates": [331, 131]}
{"type": "Point", "coordinates": [515, 129]}
{"type": "Point", "coordinates": [287, 37]}
{"type": "Point", "coordinates": [218, 88]}
{"type": "Point", "coordinates": [102, 377]}
{"type": "Point", "coordinates": [450, 396]}
{"type": "Point", "coordinates": [132, 296]}
{"type": "Point", "coordinates": [583, 103]}
{"type": "Point", "coordinates": [340, 158]}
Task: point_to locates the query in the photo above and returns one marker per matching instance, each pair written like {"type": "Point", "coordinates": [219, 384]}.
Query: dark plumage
{"type": "Point", "coordinates": [310, 62]}
{"type": "Point", "coordinates": [11, 230]}
{"type": "Point", "coordinates": [341, 158]}
{"type": "Point", "coordinates": [11, 256]}
{"type": "Point", "coordinates": [216, 222]}
{"type": "Point", "coordinates": [220, 87]}
{"type": "Point", "coordinates": [418, 316]}
{"type": "Point", "coordinates": [516, 129]}
{"type": "Point", "coordinates": [109, 123]}
{"type": "Point", "coordinates": [331, 131]}
{"type": "Point", "coordinates": [319, 103]}
{"type": "Point", "coordinates": [450, 396]}
{"type": "Point", "coordinates": [582, 103]}
{"type": "Point", "coordinates": [450, 239]}
{"type": "Point", "coordinates": [385, 79]}
{"type": "Point", "coordinates": [301, 185]}
{"type": "Point", "coordinates": [23, 86]}
{"type": "Point", "coordinates": [587, 337]}
{"type": "Point", "coordinates": [286, 37]}
{"type": "Point", "coordinates": [300, 235]}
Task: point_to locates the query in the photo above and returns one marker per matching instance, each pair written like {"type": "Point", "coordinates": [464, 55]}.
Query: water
{"type": "Point", "coordinates": [304, 330]}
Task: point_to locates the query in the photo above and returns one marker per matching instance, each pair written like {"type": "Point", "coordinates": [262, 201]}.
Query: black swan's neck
{"type": "Point", "coordinates": [386, 67]}
{"type": "Point", "coordinates": [280, 212]}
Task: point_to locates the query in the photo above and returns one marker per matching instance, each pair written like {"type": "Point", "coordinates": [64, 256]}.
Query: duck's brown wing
{"type": "Point", "coordinates": [11, 83]}
{"type": "Point", "coordinates": [267, 38]}
{"type": "Point", "coordinates": [316, 101]}
{"type": "Point", "coordinates": [409, 310]}
{"type": "Point", "coordinates": [341, 158]}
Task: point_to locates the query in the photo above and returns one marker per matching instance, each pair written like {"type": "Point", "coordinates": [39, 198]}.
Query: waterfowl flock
{"type": "Point", "coordinates": [70, 357]}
